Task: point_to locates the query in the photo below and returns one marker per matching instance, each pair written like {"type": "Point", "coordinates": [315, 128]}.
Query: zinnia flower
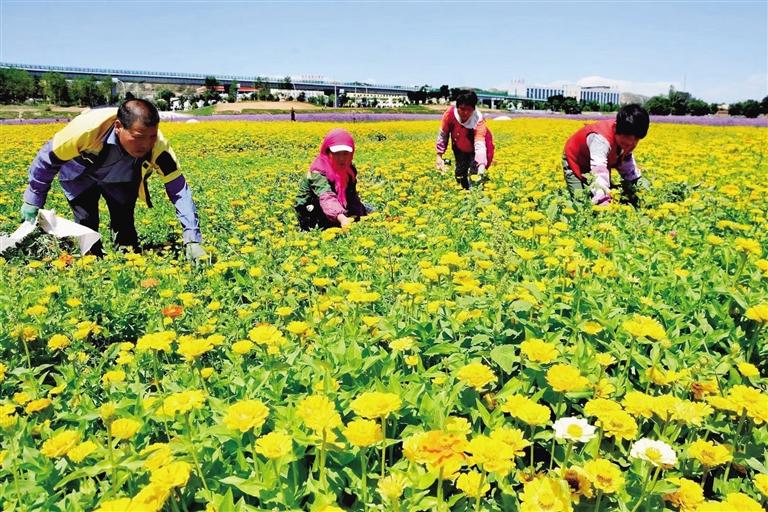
{"type": "Point", "coordinates": [657, 453]}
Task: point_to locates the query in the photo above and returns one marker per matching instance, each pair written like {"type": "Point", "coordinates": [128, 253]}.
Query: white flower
{"type": "Point", "coordinates": [657, 453]}
{"type": "Point", "coordinates": [573, 429]}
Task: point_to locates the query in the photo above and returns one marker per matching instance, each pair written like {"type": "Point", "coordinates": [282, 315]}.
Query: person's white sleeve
{"type": "Point", "coordinates": [598, 163]}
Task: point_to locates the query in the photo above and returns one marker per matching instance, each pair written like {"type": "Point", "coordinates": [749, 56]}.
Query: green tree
{"type": "Point", "coordinates": [697, 107]}
{"type": "Point", "coordinates": [210, 81]}
{"type": "Point", "coordinates": [232, 92]}
{"type": "Point", "coordinates": [571, 106]}
{"type": "Point", "coordinates": [16, 85]}
{"type": "Point", "coordinates": [55, 87]}
{"type": "Point", "coordinates": [751, 109]}
{"type": "Point", "coordinates": [658, 106]}
{"type": "Point", "coordinates": [105, 89]}
{"type": "Point", "coordinates": [736, 109]}
{"type": "Point", "coordinates": [165, 94]}
{"type": "Point", "coordinates": [86, 92]}
{"type": "Point", "coordinates": [764, 106]}
{"type": "Point", "coordinates": [555, 102]}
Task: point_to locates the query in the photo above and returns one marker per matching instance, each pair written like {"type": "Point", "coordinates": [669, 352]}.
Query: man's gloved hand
{"type": "Point", "coordinates": [440, 163]}
{"type": "Point", "coordinates": [29, 212]}
{"type": "Point", "coordinates": [195, 253]}
{"type": "Point", "coordinates": [642, 184]}
{"type": "Point", "coordinates": [481, 170]}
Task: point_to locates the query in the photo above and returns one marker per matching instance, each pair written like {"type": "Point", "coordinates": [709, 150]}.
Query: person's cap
{"type": "Point", "coordinates": [340, 147]}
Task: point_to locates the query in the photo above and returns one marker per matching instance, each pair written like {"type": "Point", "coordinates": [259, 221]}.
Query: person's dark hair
{"type": "Point", "coordinates": [466, 98]}
{"type": "Point", "coordinates": [632, 120]}
{"type": "Point", "coordinates": [137, 109]}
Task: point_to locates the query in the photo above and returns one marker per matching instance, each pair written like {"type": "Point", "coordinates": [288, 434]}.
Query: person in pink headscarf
{"type": "Point", "coordinates": [328, 195]}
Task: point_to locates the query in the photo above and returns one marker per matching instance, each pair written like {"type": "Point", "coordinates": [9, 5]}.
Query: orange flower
{"type": "Point", "coordinates": [149, 283]}
{"type": "Point", "coordinates": [173, 311]}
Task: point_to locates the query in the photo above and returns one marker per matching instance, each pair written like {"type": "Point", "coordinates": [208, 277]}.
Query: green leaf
{"type": "Point", "coordinates": [505, 356]}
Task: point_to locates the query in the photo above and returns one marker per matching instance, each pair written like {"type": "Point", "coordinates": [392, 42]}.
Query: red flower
{"type": "Point", "coordinates": [173, 311]}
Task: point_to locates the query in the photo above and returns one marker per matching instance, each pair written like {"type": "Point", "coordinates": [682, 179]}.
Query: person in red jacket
{"type": "Point", "coordinates": [599, 147]}
{"type": "Point", "coordinates": [471, 139]}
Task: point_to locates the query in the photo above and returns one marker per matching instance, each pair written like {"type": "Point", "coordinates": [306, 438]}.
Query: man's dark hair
{"type": "Point", "coordinates": [632, 120]}
{"type": "Point", "coordinates": [137, 109]}
{"type": "Point", "coordinates": [466, 98]}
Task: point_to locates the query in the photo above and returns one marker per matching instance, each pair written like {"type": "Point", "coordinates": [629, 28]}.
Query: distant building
{"type": "Point", "coordinates": [600, 94]}
{"type": "Point", "coordinates": [541, 93]}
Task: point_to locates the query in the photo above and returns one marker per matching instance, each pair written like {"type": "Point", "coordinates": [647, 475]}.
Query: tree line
{"type": "Point", "coordinates": [18, 86]}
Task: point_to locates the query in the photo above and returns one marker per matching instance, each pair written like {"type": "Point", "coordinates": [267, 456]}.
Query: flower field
{"type": "Point", "coordinates": [499, 349]}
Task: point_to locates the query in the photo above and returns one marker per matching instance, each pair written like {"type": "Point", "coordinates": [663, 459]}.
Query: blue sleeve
{"type": "Point", "coordinates": [42, 171]}
{"type": "Point", "coordinates": [181, 196]}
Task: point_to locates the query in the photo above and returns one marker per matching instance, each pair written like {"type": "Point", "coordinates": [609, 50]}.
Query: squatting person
{"type": "Point", "coordinates": [599, 147]}
{"type": "Point", "coordinates": [327, 194]}
{"type": "Point", "coordinates": [471, 140]}
{"type": "Point", "coordinates": [110, 152]}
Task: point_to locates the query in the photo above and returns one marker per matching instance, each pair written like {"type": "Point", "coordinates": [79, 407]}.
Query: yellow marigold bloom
{"type": "Point", "coordinates": [473, 484]}
{"type": "Point", "coordinates": [436, 449]}
{"type": "Point", "coordinates": [402, 344]}
{"type": "Point", "coordinates": [191, 348]}
{"type": "Point", "coordinates": [761, 483]}
{"type": "Point", "coordinates": [158, 341]}
{"type": "Point", "coordinates": [605, 360]}
{"type": "Point", "coordinates": [476, 375]}
{"type": "Point", "coordinates": [758, 313]}
{"type": "Point", "coordinates": [36, 310]}
{"type": "Point", "coordinates": [638, 404]}
{"type": "Point", "coordinates": [565, 378]}
{"type": "Point", "coordinates": [283, 311]}
{"type": "Point", "coordinates": [526, 410]}
{"type": "Point", "coordinates": [733, 502]}
{"type": "Point", "coordinates": [691, 413]}
{"type": "Point", "coordinates": [60, 444]}
{"type": "Point", "coordinates": [124, 428]}
{"type": "Point", "coordinates": [748, 370]}
{"type": "Point", "coordinates": [118, 505]}
{"type": "Point", "coordinates": [591, 327]}
{"type": "Point", "coordinates": [642, 326]}
{"type": "Point", "coordinates": [578, 483]}
{"type": "Point", "coordinates": [604, 475]}
{"type": "Point", "coordinates": [600, 407]}
{"type": "Point", "coordinates": [709, 454]}
{"type": "Point", "coordinates": [173, 475]}
{"type": "Point", "coordinates": [37, 405]}
{"type": "Point", "coordinates": [151, 498]}
{"type": "Point", "coordinates": [363, 433]}
{"type": "Point", "coordinates": [545, 494]}
{"type": "Point", "coordinates": [492, 455]}
{"type": "Point", "coordinates": [663, 405]}
{"type": "Point", "coordinates": [702, 388]}
{"type": "Point", "coordinates": [319, 413]}
{"type": "Point", "coordinates": [618, 424]}
{"type": "Point", "coordinates": [748, 246]}
{"type": "Point", "coordinates": [412, 288]}
{"type": "Point", "coordinates": [374, 404]}
{"type": "Point", "coordinates": [512, 437]}
{"type": "Point", "coordinates": [539, 351]}
{"type": "Point", "coordinates": [206, 372]}
{"type": "Point", "coordinates": [113, 377]}
{"type": "Point", "coordinates": [81, 451]}
{"type": "Point", "coordinates": [266, 334]}
{"type": "Point", "coordinates": [751, 400]}
{"type": "Point", "coordinates": [274, 445]}
{"type": "Point", "coordinates": [453, 259]}
{"type": "Point", "coordinates": [58, 342]}
{"type": "Point", "coordinates": [297, 328]}
{"type": "Point", "coordinates": [22, 397]}
{"type": "Point", "coordinates": [242, 347]}
{"type": "Point", "coordinates": [391, 487]}
{"type": "Point", "coordinates": [246, 415]}
{"type": "Point", "coordinates": [688, 496]}
{"type": "Point", "coordinates": [458, 425]}
{"type": "Point", "coordinates": [161, 455]}
{"type": "Point", "coordinates": [3, 370]}
{"type": "Point", "coordinates": [183, 402]}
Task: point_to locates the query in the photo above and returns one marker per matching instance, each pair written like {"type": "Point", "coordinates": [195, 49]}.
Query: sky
{"type": "Point", "coordinates": [717, 51]}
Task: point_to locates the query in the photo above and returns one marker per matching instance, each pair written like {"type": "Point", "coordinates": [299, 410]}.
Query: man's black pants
{"type": "Point", "coordinates": [121, 202]}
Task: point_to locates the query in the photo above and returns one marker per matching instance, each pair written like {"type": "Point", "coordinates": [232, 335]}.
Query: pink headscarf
{"type": "Point", "coordinates": [324, 164]}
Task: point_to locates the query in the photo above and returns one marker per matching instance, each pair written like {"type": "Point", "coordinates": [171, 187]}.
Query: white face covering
{"type": "Point", "coordinates": [470, 123]}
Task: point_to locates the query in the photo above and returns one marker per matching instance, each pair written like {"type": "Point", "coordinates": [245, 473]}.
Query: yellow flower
{"type": "Point", "coordinates": [688, 496]}
{"type": "Point", "coordinates": [761, 483]}
{"type": "Point", "coordinates": [60, 444]}
{"type": "Point", "coordinates": [565, 378]}
{"type": "Point", "coordinates": [591, 327]}
{"type": "Point", "coordinates": [539, 351]}
{"type": "Point", "coordinates": [298, 328]}
{"type": "Point", "coordinates": [58, 342]}
{"type": "Point", "coordinates": [605, 360]}
{"type": "Point", "coordinates": [161, 455]}
{"type": "Point", "coordinates": [118, 505]}
{"type": "Point", "coordinates": [374, 404]}
{"type": "Point", "coordinates": [246, 415]}
{"type": "Point", "coordinates": [206, 372]}
{"type": "Point", "coordinates": [173, 475]}
{"type": "Point", "coordinates": [319, 413]}
{"type": "Point", "coordinates": [412, 288]}
{"type": "Point", "coordinates": [242, 347]}
{"type": "Point", "coordinates": [473, 484]}
{"type": "Point", "coordinates": [709, 454]}
{"type": "Point", "coordinates": [81, 451]}
{"type": "Point", "coordinates": [266, 334]}
{"type": "Point", "coordinates": [363, 433]}
{"type": "Point", "coordinates": [191, 348]}
{"type": "Point", "coordinates": [618, 424]}
{"type": "Point", "coordinates": [492, 455]}
{"type": "Point", "coordinates": [37, 405]}
{"type": "Point", "coordinates": [758, 313]}
{"type": "Point", "coordinates": [748, 246]}
{"type": "Point", "coordinates": [391, 487]}
{"type": "Point", "coordinates": [645, 327]}
{"type": "Point", "coordinates": [526, 410]}
{"type": "Point", "coordinates": [545, 494]}
{"type": "Point", "coordinates": [124, 428]}
{"type": "Point", "coordinates": [604, 475]}
{"type": "Point", "coordinates": [113, 377]}
{"type": "Point", "coordinates": [183, 402]}
{"type": "Point", "coordinates": [151, 498]}
{"type": "Point", "coordinates": [638, 404]}
{"type": "Point", "coordinates": [436, 449]}
{"type": "Point", "coordinates": [748, 370]}
{"type": "Point", "coordinates": [159, 342]}
{"type": "Point", "coordinates": [274, 445]}
{"type": "Point", "coordinates": [402, 344]}
{"type": "Point", "coordinates": [476, 375]}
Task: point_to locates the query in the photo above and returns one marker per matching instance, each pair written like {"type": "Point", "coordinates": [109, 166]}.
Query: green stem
{"type": "Point", "coordinates": [597, 500]}
{"type": "Point", "coordinates": [383, 444]}
{"type": "Point", "coordinates": [532, 444]}
{"type": "Point", "coordinates": [479, 492]}
{"type": "Point", "coordinates": [364, 477]}
{"type": "Point", "coordinates": [193, 452]}
{"type": "Point", "coordinates": [440, 491]}
{"type": "Point", "coordinates": [322, 460]}
{"type": "Point", "coordinates": [568, 449]}
{"type": "Point", "coordinates": [645, 486]}
{"type": "Point", "coordinates": [26, 351]}
{"type": "Point", "coordinates": [112, 458]}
